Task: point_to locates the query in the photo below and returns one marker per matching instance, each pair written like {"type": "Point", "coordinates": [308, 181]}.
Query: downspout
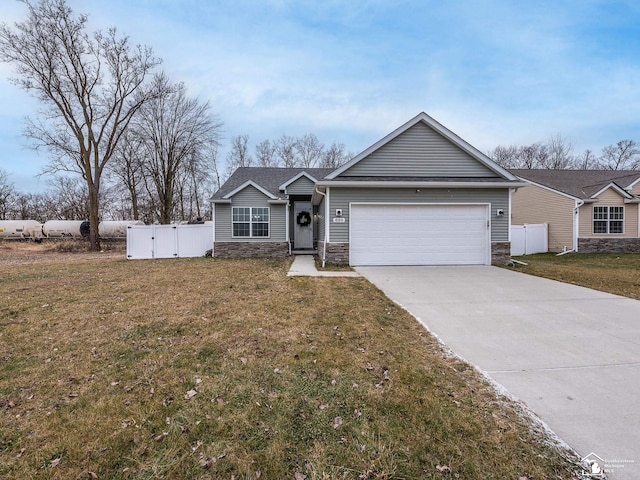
{"type": "Point", "coordinates": [287, 230]}
{"type": "Point", "coordinates": [576, 223]}
{"type": "Point", "coordinates": [326, 227]}
{"type": "Point", "coordinates": [576, 211]}
{"type": "Point", "coordinates": [213, 236]}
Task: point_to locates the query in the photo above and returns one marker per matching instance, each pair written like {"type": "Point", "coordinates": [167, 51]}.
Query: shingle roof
{"type": "Point", "coordinates": [581, 184]}
{"type": "Point", "coordinates": [268, 178]}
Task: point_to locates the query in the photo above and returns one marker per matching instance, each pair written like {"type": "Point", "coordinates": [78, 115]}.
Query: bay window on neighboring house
{"type": "Point", "coordinates": [250, 222]}
{"type": "Point", "coordinates": [608, 220]}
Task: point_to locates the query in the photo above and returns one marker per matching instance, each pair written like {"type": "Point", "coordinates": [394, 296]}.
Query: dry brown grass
{"type": "Point", "coordinates": [18, 252]}
{"type": "Point", "coordinates": [206, 368]}
{"type": "Point", "coordinates": [617, 273]}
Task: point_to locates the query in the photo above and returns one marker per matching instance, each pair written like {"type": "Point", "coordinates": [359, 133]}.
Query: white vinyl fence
{"type": "Point", "coordinates": [168, 241]}
{"type": "Point", "coordinates": [529, 238]}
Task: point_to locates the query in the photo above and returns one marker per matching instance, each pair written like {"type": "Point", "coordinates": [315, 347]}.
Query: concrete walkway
{"type": "Point", "coordinates": [570, 353]}
{"type": "Point", "coordinates": [305, 266]}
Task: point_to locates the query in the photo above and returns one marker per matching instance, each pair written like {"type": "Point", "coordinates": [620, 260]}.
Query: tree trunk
{"type": "Point", "coordinates": [94, 238]}
{"type": "Point", "coordinates": [134, 203]}
{"type": "Point", "coordinates": [166, 208]}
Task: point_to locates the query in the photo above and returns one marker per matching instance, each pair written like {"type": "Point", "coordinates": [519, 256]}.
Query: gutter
{"type": "Point", "coordinates": [326, 227]}
{"type": "Point", "coordinates": [287, 220]}
{"type": "Point", "coordinates": [576, 209]}
{"type": "Point", "coordinates": [410, 184]}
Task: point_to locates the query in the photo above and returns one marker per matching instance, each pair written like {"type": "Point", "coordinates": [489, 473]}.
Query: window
{"type": "Point", "coordinates": [608, 220]}
{"type": "Point", "coordinates": [250, 222]}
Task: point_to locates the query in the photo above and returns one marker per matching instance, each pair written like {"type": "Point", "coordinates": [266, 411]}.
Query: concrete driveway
{"type": "Point", "coordinates": [570, 353]}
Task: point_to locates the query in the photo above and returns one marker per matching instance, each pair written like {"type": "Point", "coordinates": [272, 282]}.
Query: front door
{"type": "Point", "coordinates": [302, 225]}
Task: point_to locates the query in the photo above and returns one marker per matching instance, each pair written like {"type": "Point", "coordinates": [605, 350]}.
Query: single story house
{"type": "Point", "coordinates": [586, 210]}
{"type": "Point", "coordinates": [419, 196]}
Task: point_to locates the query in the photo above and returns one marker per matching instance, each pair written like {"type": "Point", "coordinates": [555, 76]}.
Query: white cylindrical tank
{"type": "Point", "coordinates": [116, 228]}
{"type": "Point", "coordinates": [20, 229]}
{"type": "Point", "coordinates": [63, 228]}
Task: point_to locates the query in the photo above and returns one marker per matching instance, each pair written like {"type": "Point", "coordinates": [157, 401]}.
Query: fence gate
{"type": "Point", "coordinates": [168, 241]}
{"type": "Point", "coordinates": [529, 238]}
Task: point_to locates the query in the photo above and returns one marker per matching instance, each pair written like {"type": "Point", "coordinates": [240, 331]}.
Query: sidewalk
{"type": "Point", "coordinates": [304, 266]}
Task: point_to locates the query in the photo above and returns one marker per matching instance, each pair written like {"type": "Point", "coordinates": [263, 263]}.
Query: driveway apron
{"type": "Point", "coordinates": [570, 353]}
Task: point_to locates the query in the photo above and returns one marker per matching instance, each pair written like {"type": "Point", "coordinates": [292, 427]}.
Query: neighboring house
{"type": "Point", "coordinates": [419, 196]}
{"type": "Point", "coordinates": [586, 210]}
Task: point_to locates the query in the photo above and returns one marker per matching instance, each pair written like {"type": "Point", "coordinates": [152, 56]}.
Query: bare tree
{"type": "Point", "coordinates": [66, 199]}
{"type": "Point", "coordinates": [334, 156]}
{"type": "Point", "coordinates": [560, 151]}
{"type": "Point", "coordinates": [28, 206]}
{"type": "Point", "coordinates": [212, 156]}
{"type": "Point", "coordinates": [286, 151]}
{"type": "Point", "coordinates": [587, 161]}
{"type": "Point", "coordinates": [505, 156]}
{"type": "Point", "coordinates": [239, 155]}
{"type": "Point", "coordinates": [127, 168]}
{"type": "Point", "coordinates": [7, 195]}
{"type": "Point", "coordinates": [621, 156]}
{"type": "Point", "coordinates": [89, 85]}
{"type": "Point", "coordinates": [309, 150]}
{"type": "Point", "coordinates": [266, 154]}
{"type": "Point", "coordinates": [195, 187]}
{"type": "Point", "coordinates": [526, 156]}
{"type": "Point", "coordinates": [174, 130]}
{"type": "Point", "coordinates": [531, 156]}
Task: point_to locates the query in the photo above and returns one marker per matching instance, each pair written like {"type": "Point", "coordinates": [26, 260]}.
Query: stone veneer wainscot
{"type": "Point", "coordinates": [338, 253]}
{"type": "Point", "coordinates": [250, 249]}
{"type": "Point", "coordinates": [609, 245]}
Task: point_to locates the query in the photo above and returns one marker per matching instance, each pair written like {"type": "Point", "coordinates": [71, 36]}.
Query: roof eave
{"type": "Point", "coordinates": [296, 177]}
{"type": "Point", "coordinates": [623, 193]}
{"type": "Point", "coordinates": [551, 189]}
{"type": "Point", "coordinates": [250, 183]}
{"type": "Point", "coordinates": [420, 184]}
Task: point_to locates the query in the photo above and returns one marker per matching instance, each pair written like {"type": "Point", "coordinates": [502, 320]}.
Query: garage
{"type": "Point", "coordinates": [419, 234]}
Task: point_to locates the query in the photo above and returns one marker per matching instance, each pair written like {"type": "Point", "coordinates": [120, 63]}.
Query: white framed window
{"type": "Point", "coordinates": [250, 222]}
{"type": "Point", "coordinates": [608, 220]}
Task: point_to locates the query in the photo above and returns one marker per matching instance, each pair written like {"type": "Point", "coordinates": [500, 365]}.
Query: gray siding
{"type": "Point", "coordinates": [302, 186]}
{"type": "Point", "coordinates": [222, 222]}
{"type": "Point", "coordinates": [321, 220]}
{"type": "Point", "coordinates": [250, 197]}
{"type": "Point", "coordinates": [419, 152]}
{"type": "Point", "coordinates": [497, 198]}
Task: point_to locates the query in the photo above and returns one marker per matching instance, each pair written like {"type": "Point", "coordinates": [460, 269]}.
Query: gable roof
{"type": "Point", "coordinates": [581, 184]}
{"type": "Point", "coordinates": [437, 127]}
{"type": "Point", "coordinates": [252, 184]}
{"type": "Point", "coordinates": [297, 177]}
{"type": "Point", "coordinates": [268, 179]}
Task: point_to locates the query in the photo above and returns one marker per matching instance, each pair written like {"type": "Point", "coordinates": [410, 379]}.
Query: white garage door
{"type": "Point", "coordinates": [391, 234]}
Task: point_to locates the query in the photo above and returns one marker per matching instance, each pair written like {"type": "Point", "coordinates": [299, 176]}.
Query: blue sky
{"type": "Point", "coordinates": [495, 72]}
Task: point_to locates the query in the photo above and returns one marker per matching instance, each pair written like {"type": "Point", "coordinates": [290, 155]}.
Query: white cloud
{"type": "Point", "coordinates": [494, 72]}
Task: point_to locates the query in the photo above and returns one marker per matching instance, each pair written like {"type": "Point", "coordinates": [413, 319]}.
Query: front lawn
{"type": "Point", "coordinates": [617, 273]}
{"type": "Point", "coordinates": [206, 368]}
